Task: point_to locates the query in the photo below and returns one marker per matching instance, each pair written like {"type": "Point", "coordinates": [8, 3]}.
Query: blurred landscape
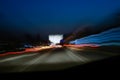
{"type": "Point", "coordinates": [57, 35]}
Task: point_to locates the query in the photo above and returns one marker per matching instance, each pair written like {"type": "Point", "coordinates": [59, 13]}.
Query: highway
{"type": "Point", "coordinates": [51, 59]}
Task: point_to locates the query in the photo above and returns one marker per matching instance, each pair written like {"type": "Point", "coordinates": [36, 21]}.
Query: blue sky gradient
{"type": "Point", "coordinates": [53, 16]}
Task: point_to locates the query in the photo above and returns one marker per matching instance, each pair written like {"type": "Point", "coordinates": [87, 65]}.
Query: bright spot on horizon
{"type": "Point", "coordinates": [55, 38]}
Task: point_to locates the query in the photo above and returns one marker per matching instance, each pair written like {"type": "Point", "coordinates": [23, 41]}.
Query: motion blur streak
{"type": "Point", "coordinates": [109, 37]}
{"type": "Point", "coordinates": [83, 45]}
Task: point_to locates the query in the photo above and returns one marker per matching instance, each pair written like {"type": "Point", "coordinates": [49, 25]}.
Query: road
{"type": "Point", "coordinates": [52, 59]}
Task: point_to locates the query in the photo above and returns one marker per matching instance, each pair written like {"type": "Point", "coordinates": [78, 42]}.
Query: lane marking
{"type": "Point", "coordinates": [77, 57]}
{"type": "Point", "coordinates": [16, 57]}
{"type": "Point", "coordinates": [36, 60]}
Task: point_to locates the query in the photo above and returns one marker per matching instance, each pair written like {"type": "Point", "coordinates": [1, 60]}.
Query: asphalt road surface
{"type": "Point", "coordinates": [52, 59]}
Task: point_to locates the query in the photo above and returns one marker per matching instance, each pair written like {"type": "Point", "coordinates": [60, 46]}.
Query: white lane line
{"type": "Point", "coordinates": [38, 59]}
{"type": "Point", "coordinates": [17, 57]}
{"type": "Point", "coordinates": [58, 57]}
{"type": "Point", "coordinates": [35, 61]}
{"type": "Point", "coordinates": [76, 57]}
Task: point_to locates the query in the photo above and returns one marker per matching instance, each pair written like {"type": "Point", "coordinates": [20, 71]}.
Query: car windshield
{"type": "Point", "coordinates": [47, 35]}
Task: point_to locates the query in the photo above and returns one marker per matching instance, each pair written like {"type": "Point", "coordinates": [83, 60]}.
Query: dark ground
{"type": "Point", "coordinates": [108, 66]}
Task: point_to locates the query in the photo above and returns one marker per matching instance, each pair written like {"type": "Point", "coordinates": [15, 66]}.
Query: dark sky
{"type": "Point", "coordinates": [52, 16]}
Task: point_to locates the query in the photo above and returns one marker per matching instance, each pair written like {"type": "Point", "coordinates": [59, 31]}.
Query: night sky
{"type": "Point", "coordinates": [52, 16]}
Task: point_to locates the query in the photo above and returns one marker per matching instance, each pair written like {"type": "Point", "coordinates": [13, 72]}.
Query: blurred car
{"type": "Point", "coordinates": [2, 50]}
{"type": "Point", "coordinates": [11, 48]}
{"type": "Point", "coordinates": [17, 49]}
{"type": "Point", "coordinates": [28, 46]}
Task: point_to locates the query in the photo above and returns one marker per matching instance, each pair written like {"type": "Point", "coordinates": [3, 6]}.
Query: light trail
{"type": "Point", "coordinates": [112, 36]}
{"type": "Point", "coordinates": [27, 50]}
{"type": "Point", "coordinates": [82, 45]}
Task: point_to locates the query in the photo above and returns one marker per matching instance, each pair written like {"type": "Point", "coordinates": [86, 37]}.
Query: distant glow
{"type": "Point", "coordinates": [55, 38]}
